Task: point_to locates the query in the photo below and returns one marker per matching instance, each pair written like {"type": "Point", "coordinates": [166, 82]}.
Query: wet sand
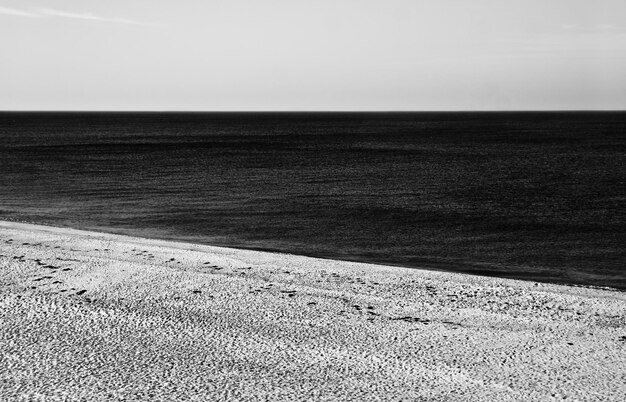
{"type": "Point", "coordinates": [91, 316]}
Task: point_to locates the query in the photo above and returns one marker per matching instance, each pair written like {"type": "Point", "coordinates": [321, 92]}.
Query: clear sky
{"type": "Point", "coordinates": [312, 54]}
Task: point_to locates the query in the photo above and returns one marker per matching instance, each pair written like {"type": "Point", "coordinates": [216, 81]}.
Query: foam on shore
{"type": "Point", "coordinates": [86, 315]}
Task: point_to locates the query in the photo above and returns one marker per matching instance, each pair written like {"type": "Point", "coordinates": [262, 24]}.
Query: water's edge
{"type": "Point", "coordinates": [438, 266]}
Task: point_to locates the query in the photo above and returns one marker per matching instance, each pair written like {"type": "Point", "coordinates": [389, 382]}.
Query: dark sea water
{"type": "Point", "coordinates": [537, 196]}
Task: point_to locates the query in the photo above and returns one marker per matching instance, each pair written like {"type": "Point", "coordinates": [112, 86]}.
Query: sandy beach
{"type": "Point", "coordinates": [92, 316]}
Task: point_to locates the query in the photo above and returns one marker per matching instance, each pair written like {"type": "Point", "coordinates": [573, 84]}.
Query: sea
{"type": "Point", "coordinates": [538, 196]}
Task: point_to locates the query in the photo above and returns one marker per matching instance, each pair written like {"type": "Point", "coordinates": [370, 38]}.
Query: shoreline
{"type": "Point", "coordinates": [82, 312]}
{"type": "Point", "coordinates": [428, 265]}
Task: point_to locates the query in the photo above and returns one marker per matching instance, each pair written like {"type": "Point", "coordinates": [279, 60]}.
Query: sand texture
{"type": "Point", "coordinates": [90, 316]}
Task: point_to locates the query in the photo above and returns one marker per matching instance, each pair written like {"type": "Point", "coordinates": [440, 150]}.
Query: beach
{"type": "Point", "coordinates": [93, 316]}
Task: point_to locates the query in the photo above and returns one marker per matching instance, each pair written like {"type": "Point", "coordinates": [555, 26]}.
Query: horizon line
{"type": "Point", "coordinates": [309, 111]}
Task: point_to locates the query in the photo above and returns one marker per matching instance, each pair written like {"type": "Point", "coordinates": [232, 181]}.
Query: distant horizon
{"type": "Point", "coordinates": [316, 111]}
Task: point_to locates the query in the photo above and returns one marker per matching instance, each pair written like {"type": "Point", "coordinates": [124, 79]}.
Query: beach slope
{"type": "Point", "coordinates": [91, 316]}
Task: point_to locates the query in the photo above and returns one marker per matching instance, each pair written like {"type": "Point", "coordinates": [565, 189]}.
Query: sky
{"type": "Point", "coordinates": [291, 55]}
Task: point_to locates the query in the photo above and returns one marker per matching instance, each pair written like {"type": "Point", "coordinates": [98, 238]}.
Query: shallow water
{"type": "Point", "coordinates": [536, 196]}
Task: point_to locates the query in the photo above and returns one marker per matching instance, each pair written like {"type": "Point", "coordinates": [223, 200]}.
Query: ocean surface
{"type": "Point", "coordinates": [536, 196]}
